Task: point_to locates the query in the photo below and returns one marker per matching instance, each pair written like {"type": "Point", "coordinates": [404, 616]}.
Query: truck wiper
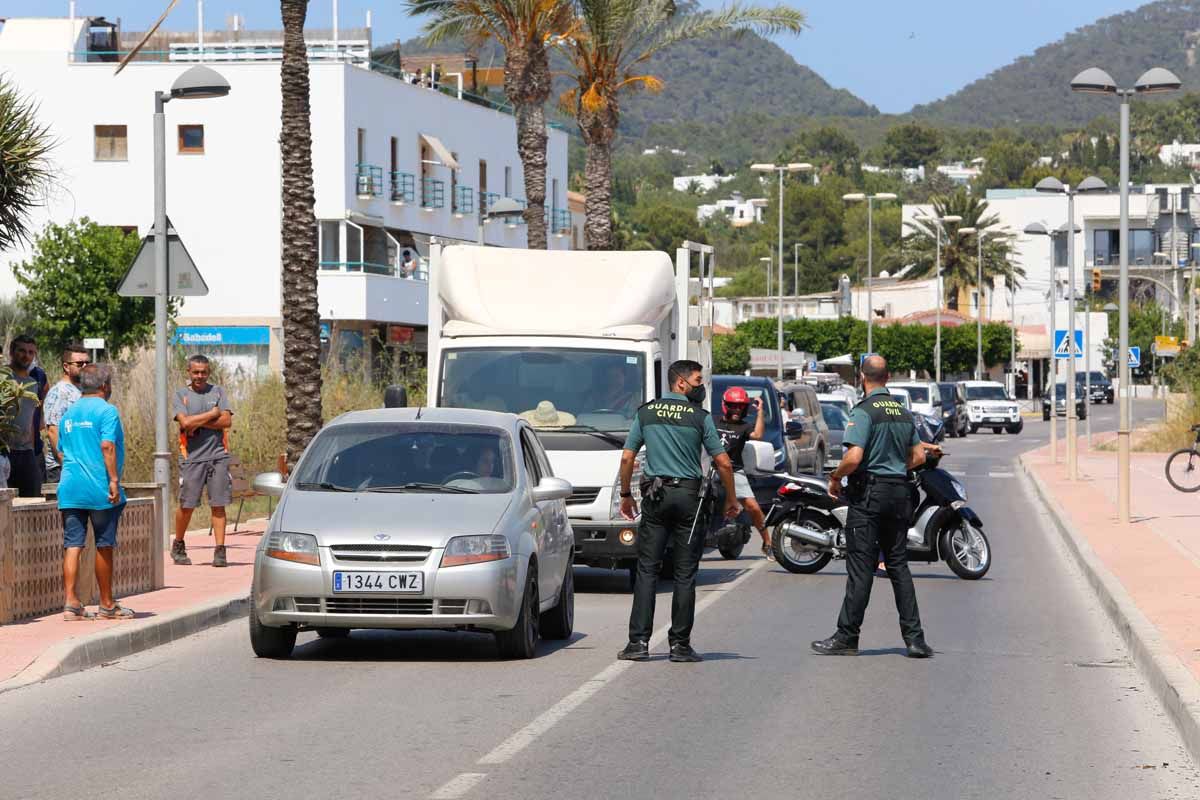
{"type": "Point", "coordinates": [607, 436]}
{"type": "Point", "coordinates": [423, 487]}
{"type": "Point", "coordinates": [324, 486]}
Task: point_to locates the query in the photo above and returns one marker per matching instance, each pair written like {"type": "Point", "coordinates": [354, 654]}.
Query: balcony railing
{"type": "Point", "coordinates": [420, 272]}
{"type": "Point", "coordinates": [558, 220]}
{"type": "Point", "coordinates": [463, 201]}
{"type": "Point", "coordinates": [404, 188]}
{"type": "Point", "coordinates": [433, 193]}
{"type": "Point", "coordinates": [486, 201]}
{"type": "Point", "coordinates": [368, 181]}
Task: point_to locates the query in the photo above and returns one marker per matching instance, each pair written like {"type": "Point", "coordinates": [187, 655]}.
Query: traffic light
{"type": "Point", "coordinates": [1095, 279]}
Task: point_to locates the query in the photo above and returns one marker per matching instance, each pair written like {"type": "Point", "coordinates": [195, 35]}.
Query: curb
{"type": "Point", "coordinates": [1173, 684]}
{"type": "Point", "coordinates": [126, 638]}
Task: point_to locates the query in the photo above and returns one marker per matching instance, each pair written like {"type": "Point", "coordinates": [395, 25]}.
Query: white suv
{"type": "Point", "coordinates": [925, 395]}
{"type": "Point", "coordinates": [989, 405]}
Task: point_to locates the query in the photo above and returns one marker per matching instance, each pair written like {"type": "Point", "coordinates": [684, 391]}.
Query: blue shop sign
{"type": "Point", "coordinates": [222, 336]}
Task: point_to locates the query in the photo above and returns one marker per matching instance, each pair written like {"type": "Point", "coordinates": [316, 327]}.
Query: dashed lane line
{"type": "Point", "coordinates": [458, 785]}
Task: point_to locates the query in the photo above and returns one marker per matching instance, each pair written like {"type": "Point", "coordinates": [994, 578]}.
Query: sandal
{"type": "Point", "coordinates": [116, 612]}
{"type": "Point", "coordinates": [768, 552]}
{"type": "Point", "coordinates": [77, 613]}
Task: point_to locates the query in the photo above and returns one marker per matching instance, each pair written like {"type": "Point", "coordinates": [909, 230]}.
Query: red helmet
{"type": "Point", "coordinates": [734, 396]}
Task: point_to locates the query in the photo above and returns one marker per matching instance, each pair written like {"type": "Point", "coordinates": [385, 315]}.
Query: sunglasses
{"type": "Point", "coordinates": [76, 363]}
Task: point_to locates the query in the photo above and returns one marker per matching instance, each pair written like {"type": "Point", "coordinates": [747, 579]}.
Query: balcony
{"type": "Point", "coordinates": [486, 201]}
{"type": "Point", "coordinates": [368, 181]}
{"type": "Point", "coordinates": [404, 188]}
{"type": "Point", "coordinates": [558, 221]}
{"type": "Point", "coordinates": [463, 201]}
{"type": "Point", "coordinates": [433, 193]}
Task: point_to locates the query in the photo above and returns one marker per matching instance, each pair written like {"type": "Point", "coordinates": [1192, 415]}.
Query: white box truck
{"type": "Point", "coordinates": [574, 342]}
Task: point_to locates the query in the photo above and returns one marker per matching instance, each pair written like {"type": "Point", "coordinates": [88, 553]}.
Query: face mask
{"type": "Point", "coordinates": [696, 394]}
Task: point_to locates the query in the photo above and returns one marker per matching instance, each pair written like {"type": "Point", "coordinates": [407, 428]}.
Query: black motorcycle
{"type": "Point", "coordinates": [808, 525]}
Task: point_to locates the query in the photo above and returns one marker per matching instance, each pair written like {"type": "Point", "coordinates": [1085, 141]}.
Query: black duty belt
{"type": "Point", "coordinates": [692, 484]}
{"type": "Point", "coordinates": [885, 479]}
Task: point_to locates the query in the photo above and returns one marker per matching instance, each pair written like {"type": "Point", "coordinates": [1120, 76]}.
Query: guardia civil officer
{"type": "Point", "coordinates": [673, 428]}
{"type": "Point", "coordinates": [881, 445]}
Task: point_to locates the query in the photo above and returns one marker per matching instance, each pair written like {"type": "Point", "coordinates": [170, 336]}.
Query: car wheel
{"type": "Point", "coordinates": [1017, 426]}
{"type": "Point", "coordinates": [267, 641]}
{"type": "Point", "coordinates": [819, 465]}
{"type": "Point", "coordinates": [521, 640]}
{"type": "Point", "coordinates": [974, 428]}
{"type": "Point", "coordinates": [333, 633]}
{"type": "Point", "coordinates": [559, 622]}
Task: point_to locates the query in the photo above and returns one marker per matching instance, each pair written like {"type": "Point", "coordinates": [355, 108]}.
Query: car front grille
{"type": "Point", "coordinates": [380, 553]}
{"type": "Point", "coordinates": [309, 605]}
{"type": "Point", "coordinates": [378, 606]}
{"type": "Point", "coordinates": [583, 495]}
{"type": "Point", "coordinates": [451, 606]}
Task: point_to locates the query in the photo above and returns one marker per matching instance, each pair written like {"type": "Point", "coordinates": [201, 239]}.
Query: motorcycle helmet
{"type": "Point", "coordinates": [735, 396]}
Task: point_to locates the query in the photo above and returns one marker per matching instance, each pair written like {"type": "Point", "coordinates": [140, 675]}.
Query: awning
{"type": "Point", "coordinates": [443, 153]}
{"type": "Point", "coordinates": [840, 361]}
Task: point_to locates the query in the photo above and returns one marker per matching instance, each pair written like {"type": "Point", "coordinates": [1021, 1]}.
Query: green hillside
{"type": "Point", "coordinates": [1035, 88]}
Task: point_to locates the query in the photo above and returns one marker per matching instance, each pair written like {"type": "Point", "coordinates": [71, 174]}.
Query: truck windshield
{"type": "Point", "coordinates": [551, 388]}
{"type": "Point", "coordinates": [986, 393]}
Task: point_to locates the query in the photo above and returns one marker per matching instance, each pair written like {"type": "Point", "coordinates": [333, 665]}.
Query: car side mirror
{"type": "Point", "coordinates": [270, 483]}
{"type": "Point", "coordinates": [795, 429]}
{"type": "Point", "coordinates": [759, 458]}
{"type": "Point", "coordinates": [552, 489]}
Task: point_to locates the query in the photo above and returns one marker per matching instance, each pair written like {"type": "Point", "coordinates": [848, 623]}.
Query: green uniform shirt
{"type": "Point", "coordinates": [884, 429]}
{"type": "Point", "coordinates": [673, 430]}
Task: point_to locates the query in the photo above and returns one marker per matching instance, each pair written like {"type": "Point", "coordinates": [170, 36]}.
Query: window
{"type": "Point", "coordinates": [508, 182]}
{"type": "Point", "coordinates": [1107, 249]}
{"type": "Point", "coordinates": [112, 143]}
{"type": "Point", "coordinates": [658, 378]}
{"type": "Point", "coordinates": [361, 150]}
{"type": "Point", "coordinates": [531, 465]}
{"type": "Point", "coordinates": [191, 138]}
{"type": "Point", "coordinates": [482, 180]}
{"type": "Point", "coordinates": [393, 166]}
{"type": "Point", "coordinates": [554, 193]}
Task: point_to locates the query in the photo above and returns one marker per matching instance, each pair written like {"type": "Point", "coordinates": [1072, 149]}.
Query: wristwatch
{"type": "Point", "coordinates": [626, 494]}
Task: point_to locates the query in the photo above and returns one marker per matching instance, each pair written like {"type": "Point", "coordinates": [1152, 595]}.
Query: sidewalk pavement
{"type": "Point", "coordinates": [194, 598]}
{"type": "Point", "coordinates": [1147, 573]}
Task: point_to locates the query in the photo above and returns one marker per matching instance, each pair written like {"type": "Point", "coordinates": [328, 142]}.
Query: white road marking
{"type": "Point", "coordinates": [1000, 475]}
{"type": "Point", "coordinates": [547, 719]}
{"type": "Point", "coordinates": [458, 785]}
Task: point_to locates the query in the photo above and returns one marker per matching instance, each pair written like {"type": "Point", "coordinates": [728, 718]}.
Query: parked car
{"type": "Point", "coordinates": [835, 419]}
{"type": "Point", "coordinates": [989, 405]}
{"type": "Point", "coordinates": [810, 434]}
{"type": "Point", "coordinates": [1101, 386]}
{"type": "Point", "coordinates": [901, 394]}
{"type": "Point", "coordinates": [925, 395]}
{"type": "Point", "coordinates": [787, 451]}
{"type": "Point", "coordinates": [409, 518]}
{"type": "Point", "coordinates": [839, 399]}
{"type": "Point", "coordinates": [954, 410]}
{"type": "Point", "coordinates": [1060, 403]}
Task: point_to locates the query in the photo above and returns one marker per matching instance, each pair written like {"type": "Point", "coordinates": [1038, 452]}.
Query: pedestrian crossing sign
{"type": "Point", "coordinates": [1062, 345]}
{"type": "Point", "coordinates": [1135, 357]}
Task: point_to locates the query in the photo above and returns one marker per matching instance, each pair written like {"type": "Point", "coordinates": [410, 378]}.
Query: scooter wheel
{"type": "Point", "coordinates": [794, 556]}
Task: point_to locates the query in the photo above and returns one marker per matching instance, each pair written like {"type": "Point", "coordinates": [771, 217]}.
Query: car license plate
{"type": "Point", "coordinates": [388, 582]}
{"type": "Point", "coordinates": [996, 419]}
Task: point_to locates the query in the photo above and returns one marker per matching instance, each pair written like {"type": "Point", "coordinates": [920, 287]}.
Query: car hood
{"type": "Point", "coordinates": [421, 519]}
{"type": "Point", "coordinates": [585, 468]}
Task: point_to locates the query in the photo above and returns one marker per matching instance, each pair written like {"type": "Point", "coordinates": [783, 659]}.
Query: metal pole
{"type": "Point", "coordinates": [937, 347]}
{"type": "Point", "coordinates": [796, 269]}
{"type": "Point", "coordinates": [870, 273]}
{"type": "Point", "coordinates": [1053, 357]}
{"type": "Point", "coordinates": [779, 322]}
{"type": "Point", "coordinates": [162, 454]}
{"type": "Point", "coordinates": [1124, 422]}
{"type": "Point", "coordinates": [1012, 331]}
{"type": "Point", "coordinates": [1072, 417]}
{"type": "Point", "coordinates": [1193, 331]}
{"type": "Point", "coordinates": [1087, 365]}
{"type": "Point", "coordinates": [979, 308]}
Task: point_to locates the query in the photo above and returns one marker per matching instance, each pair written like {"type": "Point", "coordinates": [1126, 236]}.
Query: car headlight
{"type": "Point", "coordinates": [635, 486]}
{"type": "Point", "coordinates": [298, 547]}
{"type": "Point", "coordinates": [475, 550]}
{"type": "Point", "coordinates": [958, 487]}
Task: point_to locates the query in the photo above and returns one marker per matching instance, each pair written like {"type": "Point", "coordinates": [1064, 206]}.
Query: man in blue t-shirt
{"type": "Point", "coordinates": [92, 443]}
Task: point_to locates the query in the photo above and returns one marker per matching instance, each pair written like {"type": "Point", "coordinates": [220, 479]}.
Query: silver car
{"type": "Point", "coordinates": [411, 518]}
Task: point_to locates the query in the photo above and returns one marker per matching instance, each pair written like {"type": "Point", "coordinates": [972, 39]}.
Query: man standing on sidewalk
{"type": "Point", "coordinates": [204, 416]}
{"type": "Point", "coordinates": [26, 472]}
{"type": "Point", "coordinates": [93, 447]}
{"type": "Point", "coordinates": [61, 397]}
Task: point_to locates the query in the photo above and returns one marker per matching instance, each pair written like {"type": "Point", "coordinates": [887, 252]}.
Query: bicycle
{"type": "Point", "coordinates": [1183, 466]}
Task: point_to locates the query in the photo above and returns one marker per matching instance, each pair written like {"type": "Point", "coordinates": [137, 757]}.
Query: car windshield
{"type": "Point", "coordinates": [408, 456]}
{"type": "Point", "coordinates": [947, 390]}
{"type": "Point", "coordinates": [553, 389]}
{"type": "Point", "coordinates": [1060, 391]}
{"type": "Point", "coordinates": [902, 396]}
{"type": "Point", "coordinates": [986, 393]}
{"type": "Point", "coordinates": [835, 418]}
{"type": "Point", "coordinates": [918, 394]}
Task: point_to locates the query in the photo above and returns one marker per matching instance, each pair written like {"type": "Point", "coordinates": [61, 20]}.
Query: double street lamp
{"type": "Point", "coordinates": [197, 83]}
{"type": "Point", "coordinates": [1052, 185]}
{"type": "Point", "coordinates": [870, 199]}
{"type": "Point", "coordinates": [939, 224]}
{"type": "Point", "coordinates": [781, 169]}
{"type": "Point", "coordinates": [1096, 81]}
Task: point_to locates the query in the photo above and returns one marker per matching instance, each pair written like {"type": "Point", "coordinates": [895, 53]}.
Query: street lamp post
{"type": "Point", "coordinates": [767, 260]}
{"type": "Point", "coordinates": [781, 169]}
{"type": "Point", "coordinates": [937, 347]}
{"type": "Point", "coordinates": [1038, 229]}
{"type": "Point", "coordinates": [1193, 330]}
{"type": "Point", "coordinates": [197, 83]}
{"type": "Point", "coordinates": [1097, 81]}
{"type": "Point", "coordinates": [1052, 185]}
{"type": "Point", "coordinates": [796, 268]}
{"type": "Point", "coordinates": [979, 301]}
{"type": "Point", "coordinates": [858, 197]}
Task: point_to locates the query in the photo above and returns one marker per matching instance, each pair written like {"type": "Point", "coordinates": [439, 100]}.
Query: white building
{"type": "Point", "coordinates": [960, 173]}
{"type": "Point", "coordinates": [394, 164]}
{"type": "Point", "coordinates": [1177, 154]}
{"type": "Point", "coordinates": [705, 183]}
{"type": "Point", "coordinates": [739, 211]}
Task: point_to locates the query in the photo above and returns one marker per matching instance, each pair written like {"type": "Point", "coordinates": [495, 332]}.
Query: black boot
{"type": "Point", "coordinates": [833, 646]}
{"type": "Point", "coordinates": [918, 649]}
{"type": "Point", "coordinates": [635, 651]}
{"type": "Point", "coordinates": [682, 653]}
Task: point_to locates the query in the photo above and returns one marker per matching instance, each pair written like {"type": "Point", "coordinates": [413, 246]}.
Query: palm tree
{"type": "Point", "coordinates": [526, 29]}
{"type": "Point", "coordinates": [298, 239]}
{"type": "Point", "coordinates": [24, 167]}
{"type": "Point", "coordinates": [918, 248]}
{"type": "Point", "coordinates": [613, 40]}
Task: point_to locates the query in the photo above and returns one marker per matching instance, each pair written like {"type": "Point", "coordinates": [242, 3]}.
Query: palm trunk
{"type": "Point", "coordinates": [527, 85]}
{"type": "Point", "coordinates": [598, 128]}
{"type": "Point", "coordinates": [298, 240]}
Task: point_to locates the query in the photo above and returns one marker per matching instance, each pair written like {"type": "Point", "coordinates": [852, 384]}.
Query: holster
{"type": "Point", "coordinates": [653, 490]}
{"type": "Point", "coordinates": [856, 488]}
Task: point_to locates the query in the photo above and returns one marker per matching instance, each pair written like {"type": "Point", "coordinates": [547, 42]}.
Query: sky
{"type": "Point", "coordinates": [893, 54]}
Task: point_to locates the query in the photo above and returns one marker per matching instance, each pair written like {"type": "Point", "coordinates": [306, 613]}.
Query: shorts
{"type": "Point", "coordinates": [104, 525]}
{"type": "Point", "coordinates": [741, 485]}
{"type": "Point", "coordinates": [193, 478]}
